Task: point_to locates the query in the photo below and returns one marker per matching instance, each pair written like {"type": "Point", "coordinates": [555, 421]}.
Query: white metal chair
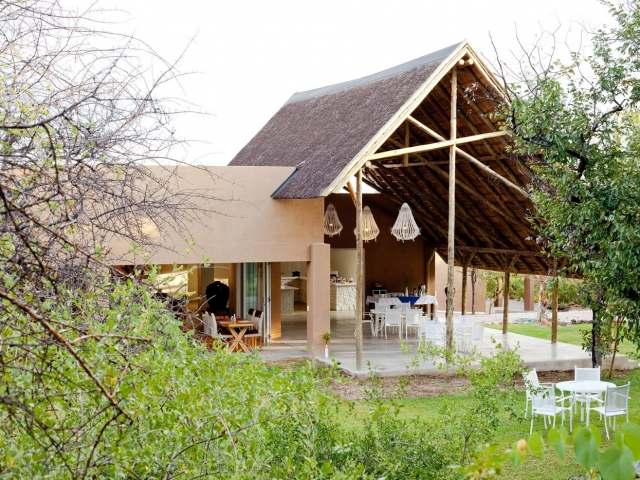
{"type": "Point", "coordinates": [545, 403]}
{"type": "Point", "coordinates": [367, 317]}
{"type": "Point", "coordinates": [393, 318]}
{"type": "Point", "coordinates": [531, 383]}
{"type": "Point", "coordinates": [432, 333]}
{"type": "Point", "coordinates": [465, 331]}
{"type": "Point", "coordinates": [582, 374]}
{"type": "Point", "coordinates": [615, 403]}
{"type": "Point", "coordinates": [405, 306]}
{"type": "Point", "coordinates": [256, 336]}
{"type": "Point", "coordinates": [412, 318]}
{"type": "Point", "coordinates": [466, 319]}
{"type": "Point", "coordinates": [477, 335]}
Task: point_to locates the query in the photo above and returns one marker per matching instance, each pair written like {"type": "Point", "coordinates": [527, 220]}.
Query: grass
{"type": "Point", "coordinates": [571, 334]}
{"type": "Point", "coordinates": [510, 430]}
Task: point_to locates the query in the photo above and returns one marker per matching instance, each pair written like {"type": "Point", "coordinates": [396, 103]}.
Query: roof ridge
{"type": "Point", "coordinates": [374, 77]}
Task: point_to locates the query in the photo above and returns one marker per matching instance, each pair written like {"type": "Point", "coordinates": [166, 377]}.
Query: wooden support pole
{"type": "Point", "coordinates": [359, 270]}
{"type": "Point", "coordinates": [429, 279]}
{"type": "Point", "coordinates": [452, 209]}
{"type": "Point", "coordinates": [467, 259]}
{"type": "Point", "coordinates": [505, 311]}
{"type": "Point", "coordinates": [352, 193]}
{"type": "Point", "coordinates": [508, 265]}
{"type": "Point", "coordinates": [554, 305]}
{"type": "Point", "coordinates": [463, 309]}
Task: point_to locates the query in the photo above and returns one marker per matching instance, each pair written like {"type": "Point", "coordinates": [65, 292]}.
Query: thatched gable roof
{"type": "Point", "coordinates": [331, 133]}
{"type": "Point", "coordinates": [321, 131]}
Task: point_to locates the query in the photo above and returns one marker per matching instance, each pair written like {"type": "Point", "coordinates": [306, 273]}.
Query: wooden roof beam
{"type": "Point", "coordinates": [471, 158]}
{"type": "Point", "coordinates": [435, 201]}
{"type": "Point", "coordinates": [435, 146]}
{"type": "Point", "coordinates": [474, 193]}
{"type": "Point", "coordinates": [507, 251]}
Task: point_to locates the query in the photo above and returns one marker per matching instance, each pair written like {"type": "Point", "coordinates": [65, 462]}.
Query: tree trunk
{"type": "Point", "coordinates": [595, 339]}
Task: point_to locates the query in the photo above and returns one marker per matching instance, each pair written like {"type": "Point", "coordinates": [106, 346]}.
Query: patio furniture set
{"type": "Point", "coordinates": [244, 334]}
{"type": "Point", "coordinates": [586, 387]}
{"type": "Point", "coordinates": [391, 313]}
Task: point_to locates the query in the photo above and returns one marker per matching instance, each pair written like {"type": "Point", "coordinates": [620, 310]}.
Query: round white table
{"type": "Point", "coordinates": [586, 387]}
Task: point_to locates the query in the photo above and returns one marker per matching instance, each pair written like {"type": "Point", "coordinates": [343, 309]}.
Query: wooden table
{"type": "Point", "coordinates": [238, 329]}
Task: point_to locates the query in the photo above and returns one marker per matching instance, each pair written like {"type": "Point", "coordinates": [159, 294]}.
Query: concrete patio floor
{"type": "Point", "coordinates": [386, 357]}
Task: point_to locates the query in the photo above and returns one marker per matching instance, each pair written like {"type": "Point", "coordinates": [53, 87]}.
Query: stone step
{"type": "Point", "coordinates": [622, 363]}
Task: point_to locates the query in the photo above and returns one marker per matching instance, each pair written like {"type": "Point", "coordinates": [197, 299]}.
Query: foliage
{"type": "Point", "coordinates": [491, 391]}
{"type": "Point", "coordinates": [616, 462]}
{"type": "Point", "coordinates": [577, 122]}
{"type": "Point", "coordinates": [170, 406]}
{"type": "Point", "coordinates": [569, 289]}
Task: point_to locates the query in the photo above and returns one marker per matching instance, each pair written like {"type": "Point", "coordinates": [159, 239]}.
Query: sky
{"type": "Point", "coordinates": [247, 57]}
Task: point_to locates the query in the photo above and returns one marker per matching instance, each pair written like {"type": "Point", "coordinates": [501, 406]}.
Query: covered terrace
{"type": "Point", "coordinates": [425, 133]}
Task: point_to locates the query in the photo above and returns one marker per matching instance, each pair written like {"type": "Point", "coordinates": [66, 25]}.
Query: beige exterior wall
{"type": "Point", "coordinates": [441, 283]}
{"type": "Point", "coordinates": [244, 225]}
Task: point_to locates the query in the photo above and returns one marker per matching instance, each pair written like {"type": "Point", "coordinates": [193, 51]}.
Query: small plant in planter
{"type": "Point", "coordinates": [327, 338]}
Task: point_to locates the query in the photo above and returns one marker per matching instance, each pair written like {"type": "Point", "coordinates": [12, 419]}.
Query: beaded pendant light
{"type": "Point", "coordinates": [332, 225]}
{"type": "Point", "coordinates": [405, 227]}
{"type": "Point", "coordinates": [370, 229]}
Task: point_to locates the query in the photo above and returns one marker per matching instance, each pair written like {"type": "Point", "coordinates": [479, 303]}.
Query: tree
{"type": "Point", "coordinates": [81, 123]}
{"type": "Point", "coordinates": [576, 121]}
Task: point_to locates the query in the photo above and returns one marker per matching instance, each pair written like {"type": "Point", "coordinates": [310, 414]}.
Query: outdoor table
{"type": "Point", "coordinates": [428, 300]}
{"type": "Point", "coordinates": [586, 387]}
{"type": "Point", "coordinates": [410, 299]}
{"type": "Point", "coordinates": [238, 329]}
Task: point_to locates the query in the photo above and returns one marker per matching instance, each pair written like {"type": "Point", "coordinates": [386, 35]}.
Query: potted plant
{"type": "Point", "coordinates": [327, 337]}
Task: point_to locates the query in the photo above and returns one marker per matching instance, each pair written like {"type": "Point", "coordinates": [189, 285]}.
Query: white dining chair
{"type": "Point", "coordinates": [213, 328]}
{"type": "Point", "coordinates": [477, 335]}
{"type": "Point", "coordinates": [393, 318]}
{"type": "Point", "coordinates": [412, 319]}
{"type": "Point", "coordinates": [586, 374]}
{"type": "Point", "coordinates": [531, 382]}
{"type": "Point", "coordinates": [405, 306]}
{"type": "Point", "coordinates": [615, 403]}
{"type": "Point", "coordinates": [367, 317]}
{"type": "Point", "coordinates": [432, 333]}
{"type": "Point", "coordinates": [545, 403]}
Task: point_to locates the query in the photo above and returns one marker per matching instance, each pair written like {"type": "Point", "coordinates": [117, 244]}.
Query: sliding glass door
{"type": "Point", "coordinates": [256, 292]}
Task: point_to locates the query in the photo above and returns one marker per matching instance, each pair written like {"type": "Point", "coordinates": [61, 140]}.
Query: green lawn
{"type": "Point", "coordinates": [550, 466]}
{"type": "Point", "coordinates": [566, 333]}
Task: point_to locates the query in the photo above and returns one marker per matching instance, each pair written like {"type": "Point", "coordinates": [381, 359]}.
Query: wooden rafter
{"type": "Point", "coordinates": [471, 158]}
{"type": "Point", "coordinates": [435, 146]}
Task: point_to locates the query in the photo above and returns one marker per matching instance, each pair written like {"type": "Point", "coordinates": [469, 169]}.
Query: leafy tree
{"type": "Point", "coordinates": [577, 122]}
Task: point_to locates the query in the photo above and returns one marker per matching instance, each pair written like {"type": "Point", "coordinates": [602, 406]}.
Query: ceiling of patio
{"type": "Point", "coordinates": [493, 220]}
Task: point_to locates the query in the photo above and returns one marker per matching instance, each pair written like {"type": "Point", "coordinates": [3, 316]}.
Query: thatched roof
{"type": "Point", "coordinates": [332, 132]}
{"type": "Point", "coordinates": [321, 131]}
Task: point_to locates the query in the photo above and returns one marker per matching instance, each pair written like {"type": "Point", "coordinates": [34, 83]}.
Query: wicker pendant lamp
{"type": "Point", "coordinates": [405, 227]}
{"type": "Point", "coordinates": [332, 225]}
{"type": "Point", "coordinates": [370, 229]}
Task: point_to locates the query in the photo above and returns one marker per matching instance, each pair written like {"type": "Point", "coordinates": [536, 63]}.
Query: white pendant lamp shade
{"type": "Point", "coordinates": [332, 225]}
{"type": "Point", "coordinates": [405, 227]}
{"type": "Point", "coordinates": [370, 229]}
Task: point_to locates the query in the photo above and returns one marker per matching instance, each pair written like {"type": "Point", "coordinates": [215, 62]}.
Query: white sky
{"type": "Point", "coordinates": [252, 55]}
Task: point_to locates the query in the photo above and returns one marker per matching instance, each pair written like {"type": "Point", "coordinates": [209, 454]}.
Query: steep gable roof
{"type": "Point", "coordinates": [395, 127]}
{"type": "Point", "coordinates": [321, 131]}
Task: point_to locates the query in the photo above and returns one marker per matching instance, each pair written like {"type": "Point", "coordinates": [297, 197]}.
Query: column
{"type": "Point", "coordinates": [528, 294]}
{"type": "Point", "coordinates": [276, 305]}
{"type": "Point", "coordinates": [318, 320]}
